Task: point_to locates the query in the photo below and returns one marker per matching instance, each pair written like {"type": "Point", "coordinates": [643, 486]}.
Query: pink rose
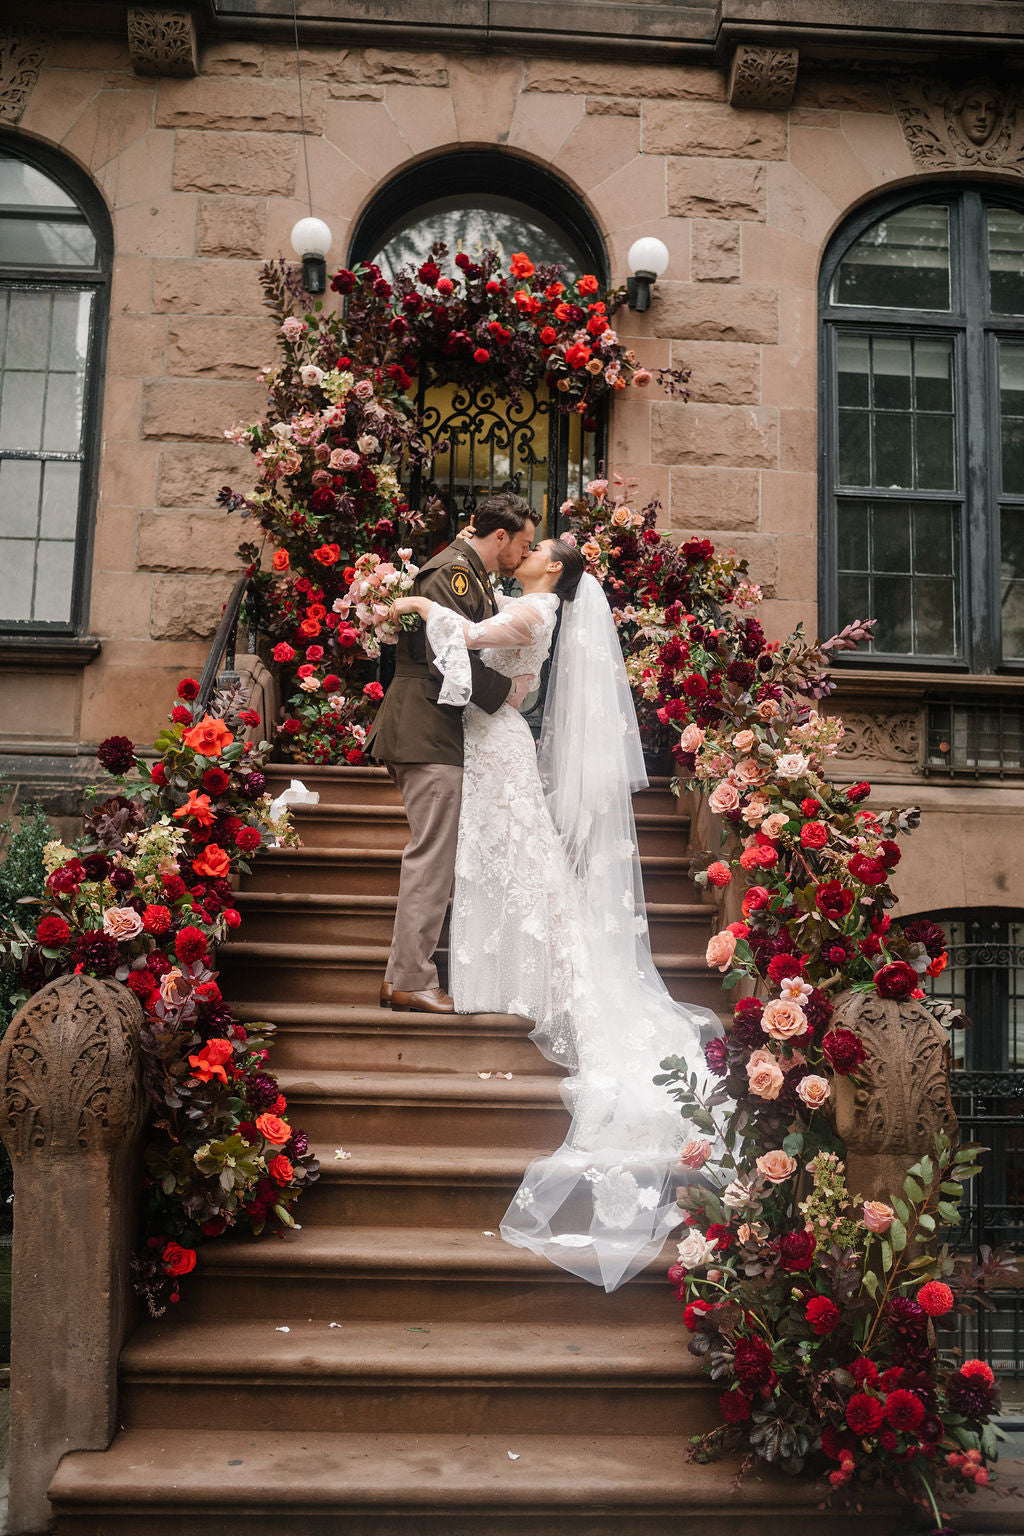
{"type": "Point", "coordinates": [292, 328]}
{"type": "Point", "coordinates": [641, 377]}
{"type": "Point", "coordinates": [773, 824]}
{"type": "Point", "coordinates": [792, 765]}
{"type": "Point", "coordinates": [598, 488]}
{"type": "Point", "coordinates": [122, 923]}
{"type": "Point", "coordinates": [764, 1075]}
{"type": "Point", "coordinates": [756, 809]}
{"type": "Point", "coordinates": [776, 1166]}
{"type": "Point", "coordinates": [695, 1154]}
{"type": "Point", "coordinates": [721, 948]}
{"type": "Point", "coordinates": [724, 797]}
{"type": "Point", "coordinates": [744, 740]}
{"type": "Point", "coordinates": [692, 739]}
{"type": "Point", "coordinates": [878, 1217]}
{"type": "Point", "coordinates": [363, 390]}
{"type": "Point", "coordinates": [783, 1020]}
{"type": "Point", "coordinates": [749, 771]}
{"type": "Point", "coordinates": [344, 458]}
{"type": "Point", "coordinates": [768, 709]}
{"type": "Point", "coordinates": [813, 1091]}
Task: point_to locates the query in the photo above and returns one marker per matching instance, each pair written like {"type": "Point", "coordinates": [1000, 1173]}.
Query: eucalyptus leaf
{"type": "Point", "coordinates": [886, 1256]}
{"type": "Point", "coordinates": [913, 1190]}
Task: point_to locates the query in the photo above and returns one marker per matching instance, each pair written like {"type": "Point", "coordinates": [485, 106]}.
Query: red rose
{"type": "Point", "coordinates": [898, 979]}
{"type": "Point", "coordinates": [66, 880]}
{"type": "Point", "coordinates": [157, 919]}
{"type": "Point", "coordinates": [373, 691]}
{"type": "Point", "coordinates": [178, 1260]}
{"type": "Point", "coordinates": [190, 944]}
{"type": "Point", "coordinates": [280, 1169]}
{"type": "Point", "coordinates": [858, 792]}
{"type": "Point", "coordinates": [215, 781]}
{"type": "Point", "coordinates": [843, 1050]}
{"type": "Point", "coordinates": [232, 917]}
{"type": "Point", "coordinates": [577, 356]}
{"type": "Point", "coordinates": [327, 554]}
{"type": "Point", "coordinates": [283, 651]}
{"type": "Point", "coordinates": [868, 871]}
{"type": "Point", "coordinates": [864, 1414]}
{"type": "Point", "coordinates": [734, 1406]}
{"type": "Point", "coordinates": [215, 863]}
{"type": "Point", "coordinates": [158, 774]}
{"type": "Point", "coordinates": [429, 273]}
{"type": "Point", "coordinates": [52, 932]}
{"type": "Point", "coordinates": [834, 900]}
{"type": "Point", "coordinates": [481, 355]}
{"type": "Point", "coordinates": [549, 336]}
{"type": "Point", "coordinates": [756, 898]}
{"type": "Point", "coordinates": [188, 689]}
{"type": "Point", "coordinates": [814, 834]}
{"type": "Point", "coordinates": [248, 839]}
{"type": "Point", "coordinates": [355, 757]}
{"type": "Point", "coordinates": [822, 1314]}
{"type": "Point", "coordinates": [291, 726]}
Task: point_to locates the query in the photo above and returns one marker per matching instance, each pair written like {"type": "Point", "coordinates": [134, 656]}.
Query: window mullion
{"type": "Point", "coordinates": [981, 522]}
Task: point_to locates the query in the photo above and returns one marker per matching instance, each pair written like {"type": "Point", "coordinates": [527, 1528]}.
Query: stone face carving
{"type": "Point", "coordinates": [69, 1070]}
{"type": "Point", "coordinates": [975, 126]}
{"type": "Point", "coordinates": [21, 58]}
{"type": "Point", "coordinates": [162, 42]}
{"type": "Point", "coordinates": [893, 737]}
{"type": "Point", "coordinates": [902, 1097]}
{"type": "Point", "coordinates": [763, 77]}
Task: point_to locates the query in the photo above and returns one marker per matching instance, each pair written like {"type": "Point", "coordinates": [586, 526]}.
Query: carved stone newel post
{"type": "Point", "coordinates": [903, 1098]}
{"type": "Point", "coordinates": [71, 1108]}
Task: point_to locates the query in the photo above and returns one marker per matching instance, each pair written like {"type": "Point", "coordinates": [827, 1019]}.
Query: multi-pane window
{"type": "Point", "coordinates": [52, 300]}
{"type": "Point", "coordinates": [923, 431]}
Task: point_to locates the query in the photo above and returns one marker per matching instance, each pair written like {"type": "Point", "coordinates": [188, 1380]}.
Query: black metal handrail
{"type": "Point", "coordinates": [222, 646]}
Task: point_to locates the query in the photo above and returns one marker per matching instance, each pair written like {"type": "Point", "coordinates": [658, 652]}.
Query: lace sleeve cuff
{"type": "Point", "coordinates": [447, 637]}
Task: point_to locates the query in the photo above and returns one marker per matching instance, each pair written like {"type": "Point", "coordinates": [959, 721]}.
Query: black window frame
{"type": "Point", "coordinates": [95, 279]}
{"type": "Point", "coordinates": [976, 333]}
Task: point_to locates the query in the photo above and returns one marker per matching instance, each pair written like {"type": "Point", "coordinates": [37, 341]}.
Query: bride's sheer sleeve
{"type": "Point", "coordinates": [452, 638]}
{"type": "Point", "coordinates": [519, 622]}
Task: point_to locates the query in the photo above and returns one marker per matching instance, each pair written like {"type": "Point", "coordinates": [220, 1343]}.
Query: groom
{"type": "Point", "coordinates": [420, 742]}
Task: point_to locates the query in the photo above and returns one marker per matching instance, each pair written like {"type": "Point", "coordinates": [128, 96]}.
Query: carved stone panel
{"type": "Point", "coordinates": [763, 77]}
{"type": "Point", "coordinates": [69, 1070]}
{"type": "Point", "coordinates": [892, 736]}
{"type": "Point", "coordinates": [162, 42]}
{"type": "Point", "coordinates": [21, 58]}
{"type": "Point", "coordinates": [977, 126]}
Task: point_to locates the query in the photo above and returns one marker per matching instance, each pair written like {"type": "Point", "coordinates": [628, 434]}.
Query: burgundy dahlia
{"type": "Point", "coordinates": [96, 951]}
{"type": "Point", "coordinates": [261, 1090]}
{"type": "Point", "coordinates": [299, 1144]}
{"type": "Point", "coordinates": [97, 866]}
{"type": "Point", "coordinates": [253, 785]}
{"type": "Point", "coordinates": [716, 1054]}
{"type": "Point", "coordinates": [844, 1051]}
{"type": "Point", "coordinates": [117, 754]}
{"type": "Point", "coordinates": [753, 1362]}
{"type": "Point", "coordinates": [972, 1396]}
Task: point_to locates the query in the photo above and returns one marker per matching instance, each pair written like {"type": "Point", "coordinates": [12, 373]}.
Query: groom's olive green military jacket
{"type": "Point", "coordinates": [411, 726]}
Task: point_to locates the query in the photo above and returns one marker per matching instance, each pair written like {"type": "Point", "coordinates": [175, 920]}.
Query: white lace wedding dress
{"type": "Point", "coordinates": [549, 922]}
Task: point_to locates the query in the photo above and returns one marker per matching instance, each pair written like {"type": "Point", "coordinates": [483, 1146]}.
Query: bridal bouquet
{"type": "Point", "coordinates": [373, 588]}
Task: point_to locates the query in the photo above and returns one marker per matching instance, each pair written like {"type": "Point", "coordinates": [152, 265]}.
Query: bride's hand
{"type": "Point", "coordinates": [419, 605]}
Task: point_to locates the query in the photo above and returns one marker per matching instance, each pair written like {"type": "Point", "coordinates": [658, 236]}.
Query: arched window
{"type": "Point", "coordinates": [922, 302]}
{"type": "Point", "coordinates": [55, 255]}
{"type": "Point", "coordinates": [474, 200]}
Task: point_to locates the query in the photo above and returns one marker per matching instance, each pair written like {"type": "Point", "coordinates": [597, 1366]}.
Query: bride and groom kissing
{"type": "Point", "coordinates": [537, 849]}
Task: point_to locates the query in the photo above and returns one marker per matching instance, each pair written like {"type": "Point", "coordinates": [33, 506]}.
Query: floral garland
{"type": "Point", "coordinates": [144, 898]}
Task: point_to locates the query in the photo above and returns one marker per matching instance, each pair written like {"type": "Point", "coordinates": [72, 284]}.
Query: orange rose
{"type": "Point", "coordinates": [281, 560]}
{"type": "Point", "coordinates": [588, 284]}
{"type": "Point", "coordinates": [214, 863]}
{"type": "Point", "coordinates": [309, 629]}
{"type": "Point", "coordinates": [209, 737]}
{"type": "Point", "coordinates": [198, 807]}
{"type": "Point", "coordinates": [521, 266]}
{"type": "Point", "coordinates": [327, 554]}
{"type": "Point", "coordinates": [721, 948]}
{"type": "Point", "coordinates": [591, 551]}
{"type": "Point", "coordinates": [776, 1166]}
{"type": "Point", "coordinates": [273, 1129]}
{"type": "Point", "coordinates": [280, 1169]}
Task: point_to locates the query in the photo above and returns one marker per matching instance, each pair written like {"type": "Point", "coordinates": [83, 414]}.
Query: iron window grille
{"type": "Point", "coordinates": [980, 738]}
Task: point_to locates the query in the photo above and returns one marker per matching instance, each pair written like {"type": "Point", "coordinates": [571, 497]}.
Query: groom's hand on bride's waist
{"type": "Point", "coordinates": [521, 687]}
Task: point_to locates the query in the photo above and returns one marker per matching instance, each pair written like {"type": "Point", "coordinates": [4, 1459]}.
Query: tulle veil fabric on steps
{"type": "Point", "coordinates": [553, 924]}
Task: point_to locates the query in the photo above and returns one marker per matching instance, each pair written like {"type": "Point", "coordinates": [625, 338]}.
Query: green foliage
{"type": "Point", "coordinates": [21, 874]}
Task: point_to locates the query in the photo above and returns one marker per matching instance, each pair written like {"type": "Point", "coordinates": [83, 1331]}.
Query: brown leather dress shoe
{"type": "Point", "coordinates": [431, 1000]}
{"type": "Point", "coordinates": [386, 994]}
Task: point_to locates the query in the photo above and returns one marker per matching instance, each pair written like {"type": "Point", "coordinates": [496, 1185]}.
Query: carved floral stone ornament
{"type": "Point", "coordinates": [978, 125]}
{"type": "Point", "coordinates": [162, 42]}
{"type": "Point", "coordinates": [763, 77]}
{"type": "Point", "coordinates": [21, 58]}
{"type": "Point", "coordinates": [889, 737]}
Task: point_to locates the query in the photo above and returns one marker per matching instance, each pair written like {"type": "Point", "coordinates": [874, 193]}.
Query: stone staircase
{"type": "Point", "coordinates": [394, 1368]}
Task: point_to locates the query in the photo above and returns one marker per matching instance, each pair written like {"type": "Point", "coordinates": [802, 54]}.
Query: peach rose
{"type": "Point", "coordinates": [764, 1075]}
{"type": "Point", "coordinates": [692, 739]}
{"type": "Point", "coordinates": [776, 1166]}
{"type": "Point", "coordinates": [122, 923]}
{"type": "Point", "coordinates": [174, 988]}
{"type": "Point", "coordinates": [749, 771]}
{"type": "Point", "coordinates": [813, 1091]}
{"type": "Point", "coordinates": [590, 551]}
{"type": "Point", "coordinates": [209, 737]}
{"type": "Point", "coordinates": [724, 797]}
{"type": "Point", "coordinates": [756, 809]}
{"type": "Point", "coordinates": [695, 1154]}
{"type": "Point", "coordinates": [878, 1217]}
{"type": "Point", "coordinates": [768, 709]}
{"type": "Point", "coordinates": [720, 950]}
{"type": "Point", "coordinates": [621, 517]}
{"type": "Point", "coordinates": [744, 740]}
{"type": "Point", "coordinates": [773, 824]}
{"type": "Point", "coordinates": [783, 1020]}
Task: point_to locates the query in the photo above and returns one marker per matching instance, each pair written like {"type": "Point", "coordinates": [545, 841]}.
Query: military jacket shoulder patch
{"type": "Point", "coordinates": [460, 580]}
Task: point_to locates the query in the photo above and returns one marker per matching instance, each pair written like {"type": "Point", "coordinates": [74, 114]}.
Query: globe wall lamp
{"type": "Point", "coordinates": [647, 260]}
{"type": "Point", "coordinates": [311, 239]}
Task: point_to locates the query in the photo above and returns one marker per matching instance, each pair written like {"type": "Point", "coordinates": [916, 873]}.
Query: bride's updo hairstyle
{"type": "Point", "coordinates": [573, 566]}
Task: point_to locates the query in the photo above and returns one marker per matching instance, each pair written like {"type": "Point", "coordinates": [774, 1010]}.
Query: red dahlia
{"type": "Point", "coordinates": [936, 1298]}
{"type": "Point", "coordinates": [753, 1362]}
{"type": "Point", "coordinates": [190, 944]}
{"type": "Point", "coordinates": [248, 839]}
{"type": "Point", "coordinates": [156, 919]}
{"type": "Point", "coordinates": [53, 932]}
{"type": "Point", "coordinates": [903, 1410]}
{"type": "Point", "coordinates": [864, 1414]}
{"type": "Point", "coordinates": [843, 1050]}
{"type": "Point", "coordinates": [822, 1314]}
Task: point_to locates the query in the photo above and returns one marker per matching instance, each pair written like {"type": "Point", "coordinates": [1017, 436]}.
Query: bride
{"type": "Point", "coordinates": [548, 915]}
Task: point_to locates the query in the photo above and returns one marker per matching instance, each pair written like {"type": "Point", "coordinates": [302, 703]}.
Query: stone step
{"type": "Point", "coordinates": [426, 1108]}
{"type": "Point", "coordinates": [384, 826]}
{"type": "Point", "coordinates": [409, 1274]}
{"type": "Point", "coordinates": [355, 1038]}
{"type": "Point", "coordinates": [374, 872]}
{"type": "Point", "coordinates": [377, 1185]}
{"type": "Point", "coordinates": [351, 973]}
{"type": "Point", "coordinates": [328, 918]}
{"type": "Point", "coordinates": [284, 1481]}
{"type": "Point", "coordinates": [393, 1377]}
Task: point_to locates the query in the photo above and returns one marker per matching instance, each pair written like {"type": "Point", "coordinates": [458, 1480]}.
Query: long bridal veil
{"type": "Point", "coordinates": [602, 1205]}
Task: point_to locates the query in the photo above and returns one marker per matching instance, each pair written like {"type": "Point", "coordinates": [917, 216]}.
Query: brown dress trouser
{"type": "Point", "coordinates": [432, 796]}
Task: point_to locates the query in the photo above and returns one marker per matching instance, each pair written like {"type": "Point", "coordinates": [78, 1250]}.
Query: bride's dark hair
{"type": "Point", "coordinates": [573, 566]}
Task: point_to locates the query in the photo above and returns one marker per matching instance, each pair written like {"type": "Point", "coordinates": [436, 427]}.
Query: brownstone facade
{"type": "Point", "coordinates": [743, 154]}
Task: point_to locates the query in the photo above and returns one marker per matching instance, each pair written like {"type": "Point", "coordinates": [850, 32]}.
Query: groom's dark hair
{"type": "Point", "coordinates": [502, 510]}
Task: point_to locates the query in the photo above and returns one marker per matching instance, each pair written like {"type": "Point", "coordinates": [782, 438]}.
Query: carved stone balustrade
{"type": "Point", "coordinates": [71, 1108]}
